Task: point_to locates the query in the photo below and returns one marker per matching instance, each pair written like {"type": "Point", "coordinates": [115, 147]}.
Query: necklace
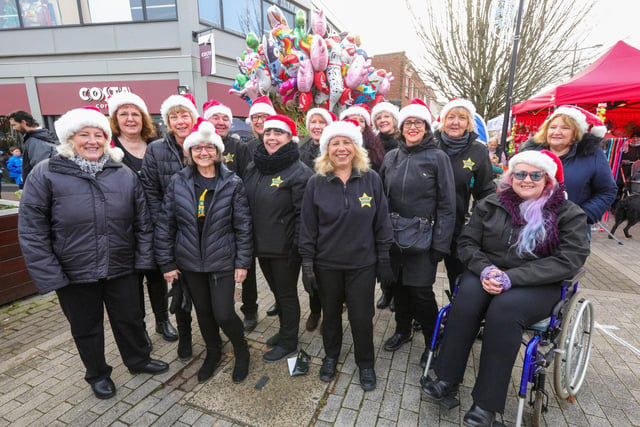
{"type": "Point", "coordinates": [135, 148]}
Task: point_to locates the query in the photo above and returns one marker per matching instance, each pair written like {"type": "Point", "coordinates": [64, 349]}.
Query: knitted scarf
{"type": "Point", "coordinates": [267, 164]}
{"type": "Point", "coordinates": [92, 168]}
{"type": "Point", "coordinates": [453, 146]}
{"type": "Point", "coordinates": [512, 202]}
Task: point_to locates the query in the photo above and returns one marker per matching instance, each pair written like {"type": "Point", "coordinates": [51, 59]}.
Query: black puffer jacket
{"type": "Point", "coordinates": [74, 228]}
{"type": "Point", "coordinates": [308, 152]}
{"type": "Point", "coordinates": [38, 145]}
{"type": "Point", "coordinates": [225, 243]}
{"type": "Point", "coordinates": [163, 158]}
{"type": "Point", "coordinates": [236, 154]}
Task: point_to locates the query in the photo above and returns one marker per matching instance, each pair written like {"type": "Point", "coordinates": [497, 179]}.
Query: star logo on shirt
{"type": "Point", "coordinates": [228, 158]}
{"type": "Point", "coordinates": [468, 164]}
{"type": "Point", "coordinates": [275, 182]}
{"type": "Point", "coordinates": [365, 200]}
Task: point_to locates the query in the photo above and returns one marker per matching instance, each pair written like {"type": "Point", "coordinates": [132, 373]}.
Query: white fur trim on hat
{"type": "Point", "coordinates": [575, 114]}
{"type": "Point", "coordinates": [177, 101]}
{"type": "Point", "coordinates": [340, 128]}
{"type": "Point", "coordinates": [356, 111]}
{"type": "Point", "coordinates": [414, 110]}
{"type": "Point", "coordinates": [261, 108]}
{"type": "Point", "coordinates": [385, 107]}
{"type": "Point", "coordinates": [218, 109]}
{"type": "Point", "coordinates": [536, 159]}
{"type": "Point", "coordinates": [320, 112]}
{"type": "Point", "coordinates": [458, 103]}
{"type": "Point", "coordinates": [206, 133]}
{"type": "Point", "coordinates": [73, 121]}
{"type": "Point", "coordinates": [117, 100]}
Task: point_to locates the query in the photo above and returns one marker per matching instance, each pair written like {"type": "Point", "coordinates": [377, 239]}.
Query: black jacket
{"type": "Point", "coordinates": [308, 152]}
{"type": "Point", "coordinates": [489, 239]}
{"type": "Point", "coordinates": [252, 144]}
{"type": "Point", "coordinates": [236, 155]}
{"type": "Point", "coordinates": [74, 228]}
{"type": "Point", "coordinates": [473, 175]}
{"type": "Point", "coordinates": [275, 202]}
{"type": "Point", "coordinates": [345, 226]}
{"type": "Point", "coordinates": [388, 141]}
{"type": "Point", "coordinates": [163, 159]}
{"type": "Point", "coordinates": [38, 145]}
{"type": "Point", "coordinates": [225, 242]}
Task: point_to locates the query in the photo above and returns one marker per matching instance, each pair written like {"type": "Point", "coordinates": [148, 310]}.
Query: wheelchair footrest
{"type": "Point", "coordinates": [449, 402]}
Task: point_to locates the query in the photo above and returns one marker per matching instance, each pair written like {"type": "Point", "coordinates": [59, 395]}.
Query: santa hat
{"type": "Point", "coordinates": [545, 160]}
{"type": "Point", "coordinates": [262, 105]}
{"type": "Point", "coordinates": [215, 107]}
{"type": "Point", "coordinates": [385, 107]}
{"type": "Point", "coordinates": [347, 128]}
{"type": "Point", "coordinates": [183, 101]}
{"type": "Point", "coordinates": [328, 116]}
{"type": "Point", "coordinates": [357, 110]}
{"type": "Point", "coordinates": [458, 103]}
{"type": "Point", "coordinates": [74, 120]}
{"type": "Point", "coordinates": [282, 123]}
{"type": "Point", "coordinates": [203, 132]}
{"type": "Point", "coordinates": [587, 121]}
{"type": "Point", "coordinates": [117, 100]}
{"type": "Point", "coordinates": [416, 108]}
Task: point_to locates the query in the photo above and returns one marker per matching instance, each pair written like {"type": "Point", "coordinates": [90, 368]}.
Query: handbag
{"type": "Point", "coordinates": [411, 235]}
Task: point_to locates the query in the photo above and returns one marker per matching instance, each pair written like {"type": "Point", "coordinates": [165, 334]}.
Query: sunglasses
{"type": "Point", "coordinates": [535, 175]}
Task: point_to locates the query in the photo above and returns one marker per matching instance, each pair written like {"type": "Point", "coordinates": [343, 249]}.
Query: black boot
{"type": "Point", "coordinates": [439, 389]}
{"type": "Point", "coordinates": [385, 299]}
{"type": "Point", "coordinates": [241, 367]}
{"type": "Point", "coordinates": [478, 417]}
{"type": "Point", "coordinates": [166, 329]}
{"type": "Point", "coordinates": [211, 362]}
{"type": "Point", "coordinates": [250, 321]}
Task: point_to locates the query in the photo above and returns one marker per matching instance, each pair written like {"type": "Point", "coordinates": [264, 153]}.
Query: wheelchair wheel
{"type": "Point", "coordinates": [573, 346]}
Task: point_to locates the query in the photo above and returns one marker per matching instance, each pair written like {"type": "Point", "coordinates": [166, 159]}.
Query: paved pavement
{"type": "Point", "coordinates": [41, 376]}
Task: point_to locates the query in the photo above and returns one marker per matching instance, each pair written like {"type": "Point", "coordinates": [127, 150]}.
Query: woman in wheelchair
{"type": "Point", "coordinates": [518, 247]}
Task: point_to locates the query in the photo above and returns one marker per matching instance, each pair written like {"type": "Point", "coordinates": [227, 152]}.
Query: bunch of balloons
{"type": "Point", "coordinates": [301, 70]}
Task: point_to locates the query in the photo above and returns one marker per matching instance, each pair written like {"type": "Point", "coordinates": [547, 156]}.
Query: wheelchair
{"type": "Point", "coordinates": [564, 339]}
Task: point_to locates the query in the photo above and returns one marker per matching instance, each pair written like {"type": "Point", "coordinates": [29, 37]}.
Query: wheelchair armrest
{"type": "Point", "coordinates": [570, 281]}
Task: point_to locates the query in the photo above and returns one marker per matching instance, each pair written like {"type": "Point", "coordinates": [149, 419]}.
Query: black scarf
{"type": "Point", "coordinates": [453, 146]}
{"type": "Point", "coordinates": [267, 164]}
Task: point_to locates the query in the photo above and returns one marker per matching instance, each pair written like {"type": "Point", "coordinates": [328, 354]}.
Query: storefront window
{"type": "Point", "coordinates": [9, 14]}
{"type": "Point", "coordinates": [241, 16]}
{"type": "Point", "coordinates": [49, 13]}
{"type": "Point", "coordinates": [161, 9]}
{"type": "Point", "coordinates": [209, 12]}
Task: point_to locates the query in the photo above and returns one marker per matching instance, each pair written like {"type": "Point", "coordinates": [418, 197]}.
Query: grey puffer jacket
{"type": "Point", "coordinates": [226, 239]}
{"type": "Point", "coordinates": [74, 228]}
{"type": "Point", "coordinates": [38, 145]}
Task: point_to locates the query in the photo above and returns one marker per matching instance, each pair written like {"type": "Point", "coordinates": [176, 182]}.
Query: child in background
{"type": "Point", "coordinates": [14, 165]}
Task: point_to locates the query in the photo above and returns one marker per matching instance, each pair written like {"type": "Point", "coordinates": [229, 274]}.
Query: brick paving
{"type": "Point", "coordinates": [41, 376]}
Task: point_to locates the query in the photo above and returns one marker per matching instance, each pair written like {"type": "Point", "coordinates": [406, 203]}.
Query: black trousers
{"type": "Point", "coordinates": [213, 299]}
{"type": "Point", "coordinates": [414, 302]}
{"type": "Point", "coordinates": [357, 288]}
{"type": "Point", "coordinates": [315, 304]}
{"type": "Point", "coordinates": [282, 277]}
{"type": "Point", "coordinates": [506, 317]}
{"type": "Point", "coordinates": [83, 305]}
{"type": "Point", "coordinates": [157, 290]}
{"type": "Point", "coordinates": [454, 267]}
{"type": "Point", "coordinates": [250, 291]}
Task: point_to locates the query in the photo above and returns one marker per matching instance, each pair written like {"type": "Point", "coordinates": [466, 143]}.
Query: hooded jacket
{"type": "Point", "coordinates": [38, 145]}
{"type": "Point", "coordinates": [587, 176]}
{"type": "Point", "coordinates": [75, 228]}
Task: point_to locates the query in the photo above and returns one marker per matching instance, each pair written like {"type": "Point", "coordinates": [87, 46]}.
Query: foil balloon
{"type": "Point", "coordinates": [358, 72]}
{"type": "Point", "coordinates": [318, 22]}
{"type": "Point", "coordinates": [346, 98]}
{"type": "Point", "coordinates": [276, 17]}
{"type": "Point", "coordinates": [334, 75]}
{"type": "Point", "coordinates": [305, 76]}
{"type": "Point", "coordinates": [385, 85]}
{"type": "Point", "coordinates": [321, 98]}
{"type": "Point", "coordinates": [252, 41]}
{"type": "Point", "coordinates": [305, 100]}
{"type": "Point", "coordinates": [320, 82]}
{"type": "Point", "coordinates": [271, 54]}
{"type": "Point", "coordinates": [318, 53]}
{"type": "Point", "coordinates": [291, 63]}
{"type": "Point", "coordinates": [288, 87]}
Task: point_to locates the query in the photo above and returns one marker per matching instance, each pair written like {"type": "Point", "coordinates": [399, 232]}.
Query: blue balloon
{"type": "Point", "coordinates": [480, 127]}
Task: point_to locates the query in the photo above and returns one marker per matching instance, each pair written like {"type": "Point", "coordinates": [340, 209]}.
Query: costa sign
{"type": "Point", "coordinates": [100, 94]}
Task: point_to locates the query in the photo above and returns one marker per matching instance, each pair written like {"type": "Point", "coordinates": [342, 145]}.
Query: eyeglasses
{"type": "Point", "coordinates": [418, 124]}
{"type": "Point", "coordinates": [535, 175]}
{"type": "Point", "coordinates": [200, 148]}
{"type": "Point", "coordinates": [258, 118]}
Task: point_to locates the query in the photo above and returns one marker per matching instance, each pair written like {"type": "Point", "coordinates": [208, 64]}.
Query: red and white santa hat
{"type": "Point", "coordinates": [327, 115]}
{"type": "Point", "coordinates": [74, 120]}
{"type": "Point", "coordinates": [587, 121]}
{"type": "Point", "coordinates": [458, 103]}
{"type": "Point", "coordinates": [262, 105]}
{"type": "Point", "coordinates": [203, 132]}
{"type": "Point", "coordinates": [119, 99]}
{"type": "Point", "coordinates": [282, 123]}
{"type": "Point", "coordinates": [545, 160]}
{"type": "Point", "coordinates": [357, 110]}
{"type": "Point", "coordinates": [186, 101]}
{"type": "Point", "coordinates": [348, 128]}
{"type": "Point", "coordinates": [385, 107]}
{"type": "Point", "coordinates": [416, 108]}
{"type": "Point", "coordinates": [212, 107]}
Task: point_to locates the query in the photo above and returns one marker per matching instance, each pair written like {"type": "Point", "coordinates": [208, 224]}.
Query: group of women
{"type": "Point", "coordinates": [179, 213]}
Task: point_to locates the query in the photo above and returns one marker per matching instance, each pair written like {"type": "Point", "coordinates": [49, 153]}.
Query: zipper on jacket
{"type": "Point", "coordinates": [404, 176]}
{"type": "Point", "coordinates": [344, 195]}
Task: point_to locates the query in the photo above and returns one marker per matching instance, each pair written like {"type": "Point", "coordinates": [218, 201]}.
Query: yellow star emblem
{"type": "Point", "coordinates": [228, 158]}
{"type": "Point", "coordinates": [365, 201]}
{"type": "Point", "coordinates": [275, 182]}
{"type": "Point", "coordinates": [468, 164]}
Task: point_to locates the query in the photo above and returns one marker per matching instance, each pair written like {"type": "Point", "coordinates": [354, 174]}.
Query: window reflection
{"type": "Point", "coordinates": [241, 16]}
{"type": "Point", "coordinates": [9, 14]}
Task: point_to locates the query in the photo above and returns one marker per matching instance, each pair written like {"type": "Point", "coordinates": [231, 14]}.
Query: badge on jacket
{"type": "Point", "coordinates": [228, 158]}
{"type": "Point", "coordinates": [468, 164]}
{"type": "Point", "coordinates": [275, 182]}
{"type": "Point", "coordinates": [365, 200]}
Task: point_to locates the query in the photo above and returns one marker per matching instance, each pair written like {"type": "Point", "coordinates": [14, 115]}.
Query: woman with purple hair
{"type": "Point", "coordinates": [518, 247]}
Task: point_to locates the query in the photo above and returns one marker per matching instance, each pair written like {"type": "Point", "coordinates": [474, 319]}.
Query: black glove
{"type": "Point", "coordinates": [436, 256]}
{"type": "Point", "coordinates": [180, 298]}
{"type": "Point", "coordinates": [384, 271]}
{"type": "Point", "coordinates": [309, 278]}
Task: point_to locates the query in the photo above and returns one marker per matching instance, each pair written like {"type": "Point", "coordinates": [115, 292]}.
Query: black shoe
{"type": "Point", "coordinates": [211, 362]}
{"type": "Point", "coordinates": [166, 329]}
{"type": "Point", "coordinates": [384, 300]}
{"type": "Point", "coordinates": [104, 388]}
{"type": "Point", "coordinates": [152, 367]}
{"type": "Point", "coordinates": [250, 322]}
{"type": "Point", "coordinates": [274, 340]}
{"type": "Point", "coordinates": [367, 379]}
{"type": "Point", "coordinates": [439, 389]}
{"type": "Point", "coordinates": [185, 350]}
{"type": "Point", "coordinates": [478, 417]}
{"type": "Point", "coordinates": [312, 321]}
{"type": "Point", "coordinates": [396, 341]}
{"type": "Point", "coordinates": [241, 367]}
{"type": "Point", "coordinates": [277, 353]}
{"type": "Point", "coordinates": [273, 310]}
{"type": "Point", "coordinates": [424, 358]}
{"type": "Point", "coordinates": [328, 369]}
{"type": "Point", "coordinates": [417, 326]}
